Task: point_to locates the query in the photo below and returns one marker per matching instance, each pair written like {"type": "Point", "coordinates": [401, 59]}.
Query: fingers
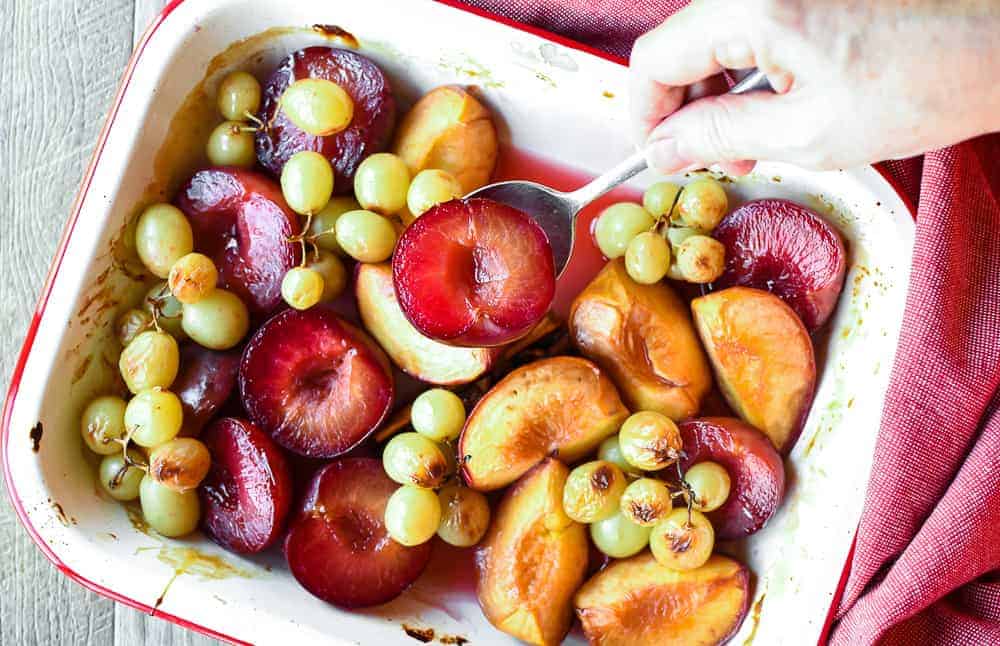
{"type": "Point", "coordinates": [693, 44]}
{"type": "Point", "coordinates": [726, 128]}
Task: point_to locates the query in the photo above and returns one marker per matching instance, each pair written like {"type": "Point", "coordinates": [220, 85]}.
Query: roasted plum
{"type": "Point", "coordinates": [562, 406]}
{"type": "Point", "coordinates": [532, 559]}
{"type": "Point", "coordinates": [763, 359]}
{"type": "Point", "coordinates": [638, 601]}
{"type": "Point", "coordinates": [756, 473]}
{"type": "Point", "coordinates": [316, 383]}
{"type": "Point", "coordinates": [337, 546]}
{"type": "Point", "coordinates": [241, 221]}
{"type": "Point", "coordinates": [370, 128]}
{"type": "Point", "coordinates": [204, 383]}
{"type": "Point", "coordinates": [787, 249]}
{"type": "Point", "coordinates": [248, 491]}
{"type": "Point", "coordinates": [474, 273]}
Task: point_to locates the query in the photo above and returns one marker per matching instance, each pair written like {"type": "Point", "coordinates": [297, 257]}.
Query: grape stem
{"type": "Point", "coordinates": [658, 226]}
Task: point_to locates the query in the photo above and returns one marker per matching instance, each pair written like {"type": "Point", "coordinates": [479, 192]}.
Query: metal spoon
{"type": "Point", "coordinates": [556, 211]}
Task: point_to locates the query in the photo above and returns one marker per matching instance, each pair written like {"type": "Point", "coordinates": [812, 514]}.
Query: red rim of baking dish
{"type": "Point", "coordinates": [29, 340]}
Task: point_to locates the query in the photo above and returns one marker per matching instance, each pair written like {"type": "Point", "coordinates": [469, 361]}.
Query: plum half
{"type": "Point", "coordinates": [248, 490]}
{"type": "Point", "coordinates": [337, 545]}
{"type": "Point", "coordinates": [204, 383]}
{"type": "Point", "coordinates": [756, 472]}
{"type": "Point", "coordinates": [787, 249]}
{"type": "Point", "coordinates": [316, 383]}
{"type": "Point", "coordinates": [474, 273]}
{"type": "Point", "coordinates": [370, 128]}
{"type": "Point", "coordinates": [241, 221]}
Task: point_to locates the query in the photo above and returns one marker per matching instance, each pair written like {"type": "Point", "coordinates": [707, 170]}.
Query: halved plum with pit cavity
{"type": "Point", "coordinates": [787, 249]}
{"type": "Point", "coordinates": [370, 127]}
{"type": "Point", "coordinates": [337, 545]}
{"type": "Point", "coordinates": [205, 381]}
{"type": "Point", "coordinates": [241, 221]}
{"type": "Point", "coordinates": [474, 273]}
{"type": "Point", "coordinates": [755, 469]}
{"type": "Point", "coordinates": [316, 383]}
{"type": "Point", "coordinates": [248, 490]}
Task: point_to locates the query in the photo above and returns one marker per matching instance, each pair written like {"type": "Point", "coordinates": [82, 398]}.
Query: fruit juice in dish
{"type": "Point", "coordinates": [586, 260]}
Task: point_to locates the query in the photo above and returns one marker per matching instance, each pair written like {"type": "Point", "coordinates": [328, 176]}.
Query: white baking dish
{"type": "Point", "coordinates": [555, 100]}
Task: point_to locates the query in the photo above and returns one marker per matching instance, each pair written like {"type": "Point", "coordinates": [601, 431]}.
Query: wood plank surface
{"type": "Point", "coordinates": [59, 68]}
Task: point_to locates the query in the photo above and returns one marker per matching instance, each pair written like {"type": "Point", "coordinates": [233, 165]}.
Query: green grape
{"type": "Point", "coordinates": [318, 106]}
{"type": "Point", "coordinates": [162, 235]}
{"type": "Point", "coordinates": [646, 501]}
{"type": "Point", "coordinates": [710, 483]}
{"type": "Point", "coordinates": [192, 277]}
{"type": "Point", "coordinates": [307, 182]}
{"type": "Point", "coordinates": [593, 491]}
{"type": "Point", "coordinates": [429, 188]}
{"type": "Point", "coordinates": [150, 361]}
{"type": "Point", "coordinates": [679, 544]}
{"type": "Point", "coordinates": [301, 287]}
{"type": "Point", "coordinates": [619, 537]}
{"type": "Point", "coordinates": [180, 464]}
{"type": "Point", "coordinates": [702, 204]}
{"type": "Point", "coordinates": [103, 422]}
{"type": "Point", "coordinates": [677, 236]}
{"type": "Point", "coordinates": [412, 459]}
{"type": "Point", "coordinates": [231, 144]}
{"type": "Point", "coordinates": [366, 236]}
{"type": "Point", "coordinates": [131, 323]}
{"type": "Point", "coordinates": [618, 224]}
{"type": "Point", "coordinates": [701, 259]}
{"type": "Point", "coordinates": [323, 224]}
{"type": "Point", "coordinates": [153, 417]}
{"type": "Point", "coordinates": [159, 301]}
{"type": "Point", "coordinates": [118, 479]}
{"type": "Point", "coordinates": [331, 269]}
{"type": "Point", "coordinates": [381, 183]}
{"type": "Point", "coordinates": [219, 321]}
{"type": "Point", "coordinates": [659, 198]}
{"type": "Point", "coordinates": [238, 96]}
{"type": "Point", "coordinates": [611, 451]}
{"type": "Point", "coordinates": [412, 515]}
{"type": "Point", "coordinates": [169, 512]}
{"type": "Point", "coordinates": [650, 441]}
{"type": "Point", "coordinates": [647, 258]}
{"type": "Point", "coordinates": [465, 515]}
{"type": "Point", "coordinates": [438, 414]}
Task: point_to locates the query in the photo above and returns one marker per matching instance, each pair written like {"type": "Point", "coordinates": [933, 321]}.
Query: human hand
{"type": "Point", "coordinates": [856, 81]}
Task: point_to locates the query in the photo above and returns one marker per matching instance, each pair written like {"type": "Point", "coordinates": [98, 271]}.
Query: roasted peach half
{"type": "Point", "coordinates": [449, 129]}
{"type": "Point", "coordinates": [638, 601]}
{"type": "Point", "coordinates": [763, 359]}
{"type": "Point", "coordinates": [562, 407]}
{"type": "Point", "coordinates": [643, 337]}
{"type": "Point", "coordinates": [533, 559]}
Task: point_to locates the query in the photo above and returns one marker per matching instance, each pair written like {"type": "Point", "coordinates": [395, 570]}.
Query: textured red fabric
{"type": "Point", "coordinates": [930, 531]}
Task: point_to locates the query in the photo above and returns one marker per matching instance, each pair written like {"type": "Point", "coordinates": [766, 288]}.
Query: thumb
{"type": "Point", "coordinates": [725, 128]}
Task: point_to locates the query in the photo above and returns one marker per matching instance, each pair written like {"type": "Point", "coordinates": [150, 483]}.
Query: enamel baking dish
{"type": "Point", "coordinates": [555, 99]}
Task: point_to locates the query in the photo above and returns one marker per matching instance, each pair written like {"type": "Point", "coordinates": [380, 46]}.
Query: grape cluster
{"type": "Point", "coordinates": [668, 235]}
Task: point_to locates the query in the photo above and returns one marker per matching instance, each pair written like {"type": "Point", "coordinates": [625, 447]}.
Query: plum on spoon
{"type": "Point", "coordinates": [556, 211]}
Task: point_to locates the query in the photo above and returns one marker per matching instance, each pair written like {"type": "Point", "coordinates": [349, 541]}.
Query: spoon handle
{"type": "Point", "coordinates": [636, 162]}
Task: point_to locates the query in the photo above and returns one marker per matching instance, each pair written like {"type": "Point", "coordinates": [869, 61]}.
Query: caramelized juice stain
{"type": "Point", "coordinates": [338, 35]}
{"type": "Point", "coordinates": [755, 618]}
{"type": "Point", "coordinates": [420, 634]}
{"type": "Point", "coordinates": [187, 560]}
{"type": "Point", "coordinates": [35, 435]}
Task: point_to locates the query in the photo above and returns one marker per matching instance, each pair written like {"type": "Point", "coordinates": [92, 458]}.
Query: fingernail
{"type": "Point", "coordinates": [663, 156]}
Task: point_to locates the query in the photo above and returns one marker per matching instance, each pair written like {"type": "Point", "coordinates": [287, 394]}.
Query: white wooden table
{"type": "Point", "coordinates": [60, 64]}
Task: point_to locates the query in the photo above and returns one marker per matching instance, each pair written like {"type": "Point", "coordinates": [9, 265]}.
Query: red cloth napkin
{"type": "Point", "coordinates": [930, 532]}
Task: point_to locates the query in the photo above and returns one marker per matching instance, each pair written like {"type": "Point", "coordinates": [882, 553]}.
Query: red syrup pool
{"type": "Point", "coordinates": [586, 260]}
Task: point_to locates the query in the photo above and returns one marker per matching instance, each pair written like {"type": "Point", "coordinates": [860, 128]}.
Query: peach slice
{"type": "Point", "coordinates": [643, 337]}
{"type": "Point", "coordinates": [533, 559]}
{"type": "Point", "coordinates": [415, 354]}
{"type": "Point", "coordinates": [562, 407]}
{"type": "Point", "coordinates": [449, 129]}
{"type": "Point", "coordinates": [763, 359]}
{"type": "Point", "coordinates": [639, 601]}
